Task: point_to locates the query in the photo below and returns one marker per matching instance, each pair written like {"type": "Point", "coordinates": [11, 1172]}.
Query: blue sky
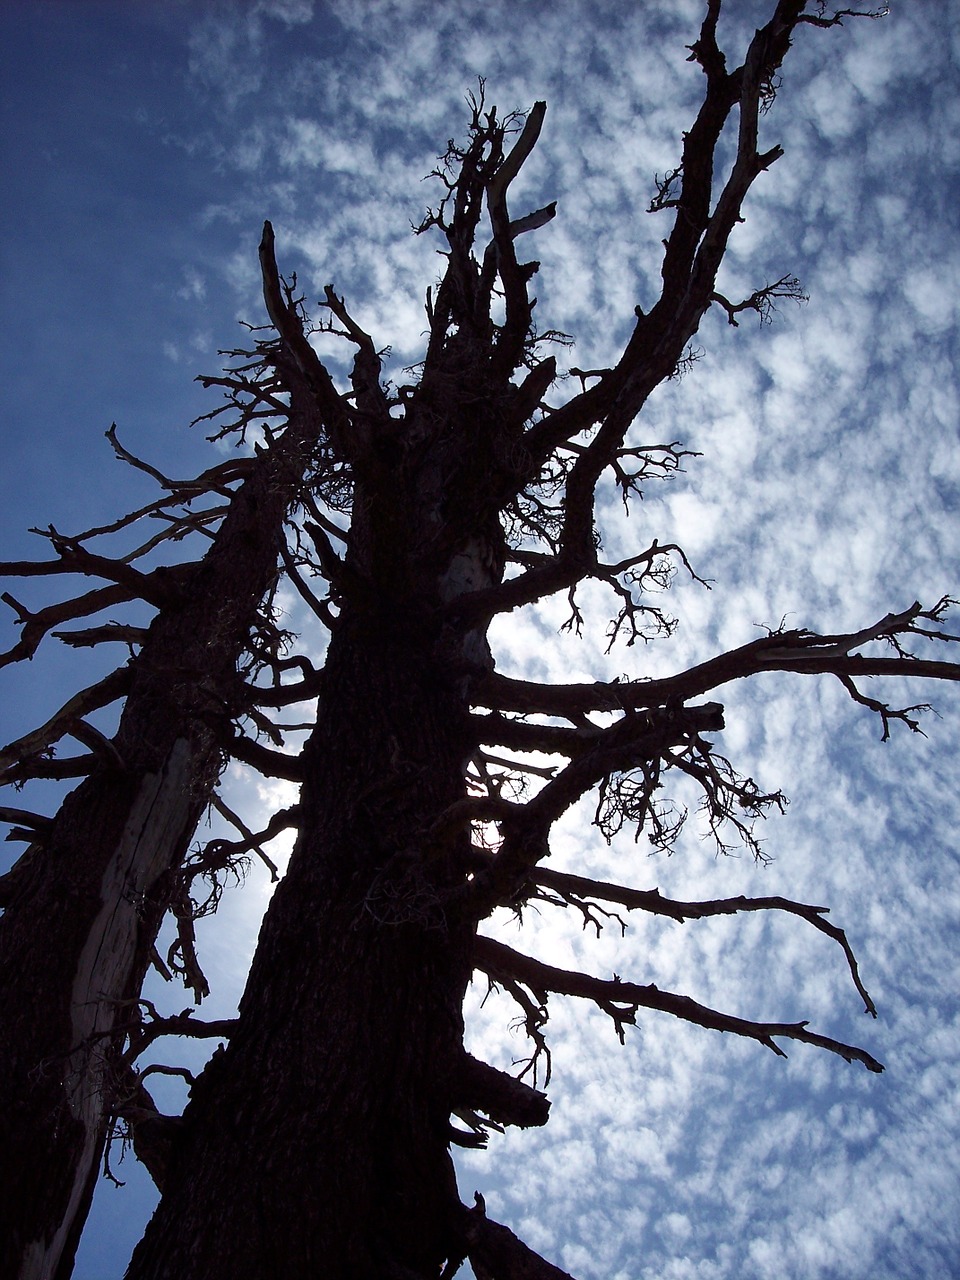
{"type": "Point", "coordinates": [144, 143]}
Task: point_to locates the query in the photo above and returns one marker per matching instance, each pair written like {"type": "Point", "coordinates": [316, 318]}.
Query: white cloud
{"type": "Point", "coordinates": [291, 12]}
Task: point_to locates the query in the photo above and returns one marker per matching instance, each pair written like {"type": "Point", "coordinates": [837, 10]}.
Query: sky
{"type": "Point", "coordinates": [143, 144]}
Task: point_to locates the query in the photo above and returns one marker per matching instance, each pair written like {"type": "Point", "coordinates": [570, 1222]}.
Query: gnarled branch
{"type": "Point", "coordinates": [621, 1000]}
{"type": "Point", "coordinates": [575, 889]}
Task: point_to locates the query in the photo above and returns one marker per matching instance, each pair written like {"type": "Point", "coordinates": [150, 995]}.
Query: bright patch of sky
{"type": "Point", "coordinates": [144, 145]}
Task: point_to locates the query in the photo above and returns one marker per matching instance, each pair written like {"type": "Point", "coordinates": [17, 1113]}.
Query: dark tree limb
{"type": "Point", "coordinates": [820, 19]}
{"type": "Point", "coordinates": [636, 738]}
{"type": "Point", "coordinates": [763, 301]}
{"type": "Point", "coordinates": [152, 1134]}
{"type": "Point", "coordinates": [498, 1095]}
{"type": "Point", "coordinates": [494, 729]}
{"type": "Point", "coordinates": [35, 823]}
{"type": "Point", "coordinates": [495, 1253]}
{"type": "Point", "coordinates": [214, 480]}
{"type": "Point", "coordinates": [142, 1034]}
{"type": "Point", "coordinates": [110, 633]}
{"type": "Point", "coordinates": [282, 820]}
{"type": "Point", "coordinates": [319, 608]}
{"type": "Point", "coordinates": [621, 1000]}
{"type": "Point", "coordinates": [284, 318]}
{"type": "Point", "coordinates": [577, 888]}
{"type": "Point", "coordinates": [800, 650]}
{"type": "Point", "coordinates": [286, 695]}
{"type": "Point", "coordinates": [43, 765]}
{"type": "Point", "coordinates": [272, 764]}
{"type": "Point", "coordinates": [157, 587]}
{"type": "Point", "coordinates": [182, 958]}
{"type": "Point", "coordinates": [64, 721]}
{"type": "Point", "coordinates": [513, 337]}
{"type": "Point", "coordinates": [367, 367]}
{"type": "Point", "coordinates": [36, 625]}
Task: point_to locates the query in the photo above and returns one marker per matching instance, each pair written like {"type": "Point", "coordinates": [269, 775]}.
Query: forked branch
{"type": "Point", "coordinates": [800, 650]}
{"type": "Point", "coordinates": [577, 889]}
{"type": "Point", "coordinates": [65, 721]}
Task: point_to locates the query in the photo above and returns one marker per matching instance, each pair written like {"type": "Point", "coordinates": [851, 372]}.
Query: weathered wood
{"type": "Point", "coordinates": [80, 922]}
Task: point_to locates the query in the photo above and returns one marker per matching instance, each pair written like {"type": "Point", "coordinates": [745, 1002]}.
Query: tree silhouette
{"type": "Point", "coordinates": [407, 518]}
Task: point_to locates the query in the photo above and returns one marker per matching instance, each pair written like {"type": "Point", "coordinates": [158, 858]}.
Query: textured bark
{"type": "Point", "coordinates": [317, 1142]}
{"type": "Point", "coordinates": [324, 1125]}
{"type": "Point", "coordinates": [77, 932]}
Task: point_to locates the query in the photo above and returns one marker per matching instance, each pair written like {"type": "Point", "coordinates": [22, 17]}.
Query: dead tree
{"type": "Point", "coordinates": [83, 906]}
{"type": "Point", "coordinates": [318, 1140]}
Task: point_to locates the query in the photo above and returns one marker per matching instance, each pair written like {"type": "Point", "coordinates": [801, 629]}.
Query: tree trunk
{"type": "Point", "coordinates": [71, 959]}
{"type": "Point", "coordinates": [77, 936]}
{"type": "Point", "coordinates": [317, 1141]}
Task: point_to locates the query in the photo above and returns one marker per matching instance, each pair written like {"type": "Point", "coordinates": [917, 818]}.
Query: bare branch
{"type": "Point", "coordinates": [282, 820]}
{"type": "Point", "coordinates": [633, 740]}
{"type": "Point", "coordinates": [110, 633]}
{"type": "Point", "coordinates": [533, 1018]}
{"type": "Point", "coordinates": [763, 301]}
{"type": "Point", "coordinates": [575, 888]}
{"type": "Point", "coordinates": [319, 608]}
{"type": "Point", "coordinates": [498, 730]}
{"type": "Point", "coordinates": [214, 479]}
{"type": "Point", "coordinates": [43, 766]}
{"type": "Point", "coordinates": [367, 365]}
{"type": "Point", "coordinates": [495, 1253]}
{"type": "Point", "coordinates": [501, 1097]}
{"type": "Point", "coordinates": [285, 695]}
{"type": "Point", "coordinates": [519, 153]}
{"type": "Point", "coordinates": [801, 651]}
{"type": "Point", "coordinates": [285, 319]}
{"type": "Point", "coordinates": [620, 1000]}
{"type": "Point", "coordinates": [64, 721]}
{"type": "Point", "coordinates": [142, 1034]}
{"type": "Point", "coordinates": [159, 587]}
{"type": "Point", "coordinates": [151, 1133]}
{"type": "Point", "coordinates": [533, 221]}
{"type": "Point", "coordinates": [36, 625]}
{"type": "Point", "coordinates": [182, 955]}
{"type": "Point", "coordinates": [886, 713]}
{"type": "Point", "coordinates": [819, 19]}
{"type": "Point", "coordinates": [272, 764]}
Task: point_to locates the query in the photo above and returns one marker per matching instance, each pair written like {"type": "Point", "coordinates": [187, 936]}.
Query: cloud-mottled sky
{"type": "Point", "coordinates": [143, 145]}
